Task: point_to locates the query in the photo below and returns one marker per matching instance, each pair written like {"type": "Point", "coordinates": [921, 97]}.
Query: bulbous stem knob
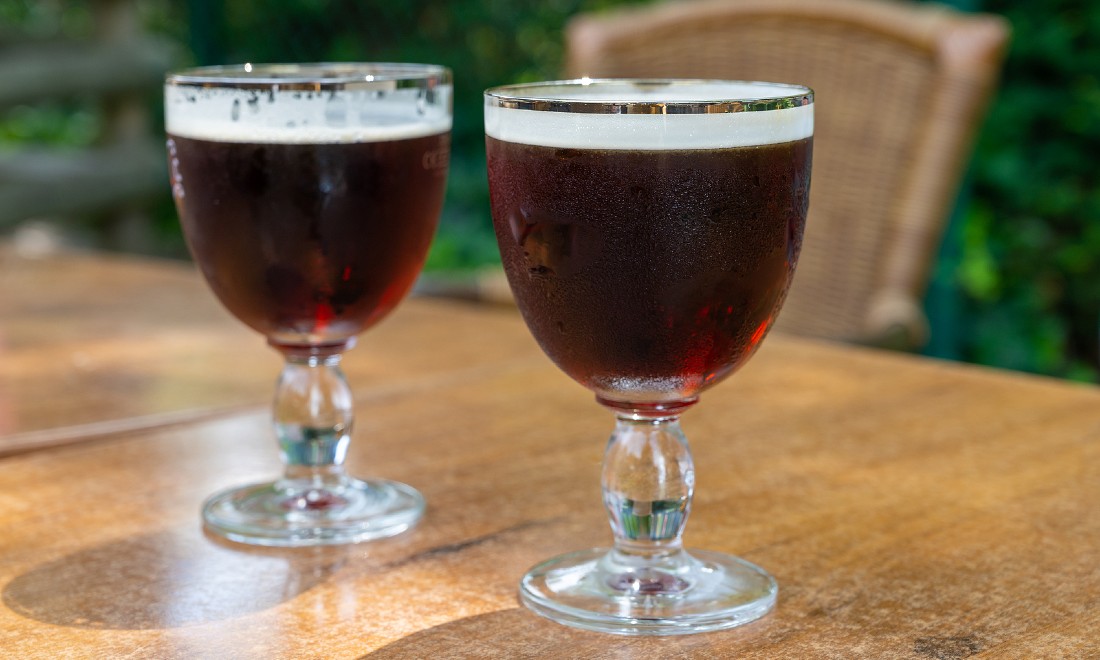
{"type": "Point", "coordinates": [313, 416]}
{"type": "Point", "coordinates": [648, 481]}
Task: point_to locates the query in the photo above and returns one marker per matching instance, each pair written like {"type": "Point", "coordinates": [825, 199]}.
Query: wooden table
{"type": "Point", "coordinates": [908, 508]}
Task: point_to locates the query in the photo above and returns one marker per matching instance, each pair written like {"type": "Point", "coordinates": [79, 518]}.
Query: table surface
{"type": "Point", "coordinates": [908, 508]}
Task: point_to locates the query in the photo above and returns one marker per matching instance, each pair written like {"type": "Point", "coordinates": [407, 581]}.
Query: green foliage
{"type": "Point", "coordinates": [61, 124]}
{"type": "Point", "coordinates": [1030, 260]}
{"type": "Point", "coordinates": [66, 122]}
{"type": "Point", "coordinates": [47, 19]}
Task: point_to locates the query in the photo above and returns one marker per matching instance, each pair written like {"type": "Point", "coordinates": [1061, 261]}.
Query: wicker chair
{"type": "Point", "coordinates": [900, 93]}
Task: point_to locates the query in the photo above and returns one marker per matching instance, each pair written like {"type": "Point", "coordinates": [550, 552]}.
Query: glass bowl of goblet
{"type": "Point", "coordinates": [308, 195]}
{"type": "Point", "coordinates": [649, 230]}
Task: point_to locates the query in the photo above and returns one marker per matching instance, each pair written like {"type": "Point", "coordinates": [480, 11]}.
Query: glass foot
{"type": "Point", "coordinates": [294, 513]}
{"type": "Point", "coordinates": [677, 594]}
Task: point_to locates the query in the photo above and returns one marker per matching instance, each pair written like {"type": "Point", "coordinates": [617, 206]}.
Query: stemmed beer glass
{"type": "Point", "coordinates": [309, 195]}
{"type": "Point", "coordinates": [649, 230]}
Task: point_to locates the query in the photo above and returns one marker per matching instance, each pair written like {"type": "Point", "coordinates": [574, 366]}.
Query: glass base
{"type": "Point", "coordinates": [295, 513]}
{"type": "Point", "coordinates": [677, 594]}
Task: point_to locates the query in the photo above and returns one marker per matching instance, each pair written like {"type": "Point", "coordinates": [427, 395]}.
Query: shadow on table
{"type": "Point", "coordinates": [518, 633]}
{"type": "Point", "coordinates": [165, 579]}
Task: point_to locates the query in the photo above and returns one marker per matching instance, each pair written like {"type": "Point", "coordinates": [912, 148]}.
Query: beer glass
{"type": "Point", "coordinates": [308, 195]}
{"type": "Point", "coordinates": [649, 230]}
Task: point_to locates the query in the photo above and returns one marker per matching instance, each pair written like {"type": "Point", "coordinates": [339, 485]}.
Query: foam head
{"type": "Point", "coordinates": [642, 116]}
{"type": "Point", "coordinates": [272, 115]}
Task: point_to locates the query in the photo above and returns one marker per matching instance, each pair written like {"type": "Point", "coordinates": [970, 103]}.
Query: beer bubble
{"type": "Point", "coordinates": [174, 170]}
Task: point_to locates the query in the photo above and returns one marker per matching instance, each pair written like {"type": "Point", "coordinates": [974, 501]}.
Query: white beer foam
{"type": "Point", "coordinates": [644, 132]}
{"type": "Point", "coordinates": [297, 117]}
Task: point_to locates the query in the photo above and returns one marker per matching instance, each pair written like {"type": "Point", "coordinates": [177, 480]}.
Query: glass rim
{"type": "Point", "coordinates": [519, 97]}
{"type": "Point", "coordinates": [310, 75]}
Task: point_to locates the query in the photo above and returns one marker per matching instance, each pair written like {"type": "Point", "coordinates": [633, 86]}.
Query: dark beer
{"type": "Point", "coordinates": [649, 275]}
{"type": "Point", "coordinates": [649, 230]}
{"type": "Point", "coordinates": [309, 242]}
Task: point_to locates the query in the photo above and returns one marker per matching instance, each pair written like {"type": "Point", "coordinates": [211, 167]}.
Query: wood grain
{"type": "Point", "coordinates": [908, 508]}
{"type": "Point", "coordinates": [92, 346]}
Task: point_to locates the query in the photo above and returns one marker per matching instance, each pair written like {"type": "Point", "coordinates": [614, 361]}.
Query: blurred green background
{"type": "Point", "coordinates": [1017, 283]}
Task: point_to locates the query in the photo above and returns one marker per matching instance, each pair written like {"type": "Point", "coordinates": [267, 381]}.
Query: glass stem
{"type": "Point", "coordinates": [313, 415]}
{"type": "Point", "coordinates": [648, 480]}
